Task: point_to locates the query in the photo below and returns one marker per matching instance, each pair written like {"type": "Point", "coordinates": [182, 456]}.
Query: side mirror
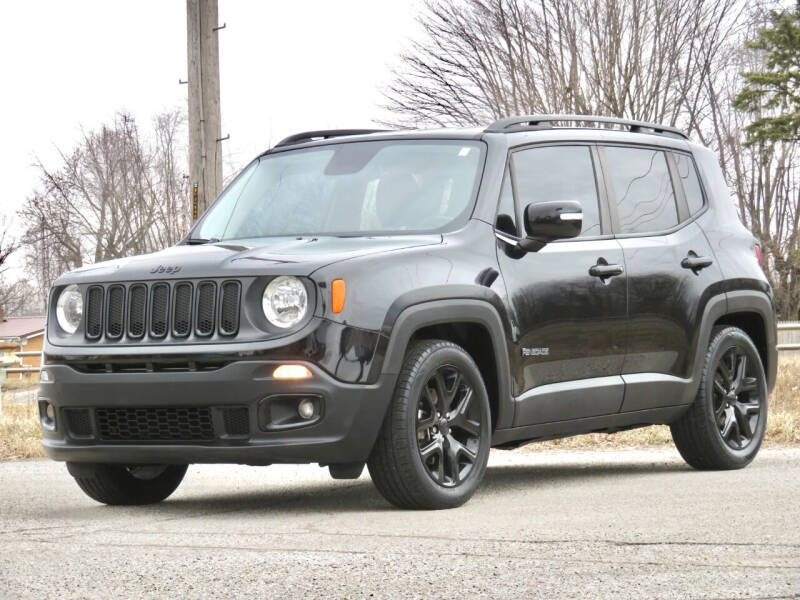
{"type": "Point", "coordinates": [549, 221]}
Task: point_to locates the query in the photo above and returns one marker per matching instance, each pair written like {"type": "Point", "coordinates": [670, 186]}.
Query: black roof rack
{"type": "Point", "coordinates": [323, 134]}
{"type": "Point", "coordinates": [511, 124]}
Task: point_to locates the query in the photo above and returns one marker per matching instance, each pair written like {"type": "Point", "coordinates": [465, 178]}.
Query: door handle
{"type": "Point", "coordinates": [603, 270]}
{"type": "Point", "coordinates": [696, 263]}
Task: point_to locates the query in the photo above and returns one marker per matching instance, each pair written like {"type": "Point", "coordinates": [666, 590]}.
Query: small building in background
{"type": "Point", "coordinates": [21, 334]}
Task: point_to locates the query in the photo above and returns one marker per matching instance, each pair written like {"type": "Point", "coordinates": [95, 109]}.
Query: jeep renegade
{"type": "Point", "coordinates": [409, 299]}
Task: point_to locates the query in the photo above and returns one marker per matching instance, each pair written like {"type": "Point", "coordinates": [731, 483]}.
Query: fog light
{"type": "Point", "coordinates": [45, 376]}
{"type": "Point", "coordinates": [291, 372]}
{"type": "Point", "coordinates": [306, 408]}
{"type": "Point", "coordinates": [47, 415]}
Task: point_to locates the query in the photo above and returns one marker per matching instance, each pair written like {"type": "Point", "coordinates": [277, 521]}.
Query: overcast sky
{"type": "Point", "coordinates": [285, 66]}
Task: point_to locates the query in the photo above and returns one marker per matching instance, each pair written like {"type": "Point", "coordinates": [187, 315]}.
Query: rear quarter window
{"type": "Point", "coordinates": [690, 181]}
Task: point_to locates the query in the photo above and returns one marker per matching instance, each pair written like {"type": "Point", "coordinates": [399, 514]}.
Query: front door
{"type": "Point", "coordinates": [568, 299]}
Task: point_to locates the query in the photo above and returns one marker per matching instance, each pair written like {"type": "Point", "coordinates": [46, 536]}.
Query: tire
{"type": "Point", "coordinates": [437, 377]}
{"type": "Point", "coordinates": [127, 485]}
{"type": "Point", "coordinates": [723, 428]}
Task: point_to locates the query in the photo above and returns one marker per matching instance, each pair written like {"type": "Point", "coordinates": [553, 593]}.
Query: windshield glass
{"type": "Point", "coordinates": [353, 188]}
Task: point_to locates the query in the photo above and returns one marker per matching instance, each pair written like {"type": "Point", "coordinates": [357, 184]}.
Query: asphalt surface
{"type": "Point", "coordinates": [632, 524]}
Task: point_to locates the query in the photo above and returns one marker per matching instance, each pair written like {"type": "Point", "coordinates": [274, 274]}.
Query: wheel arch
{"type": "Point", "coordinates": [753, 312]}
{"type": "Point", "coordinates": [473, 324]}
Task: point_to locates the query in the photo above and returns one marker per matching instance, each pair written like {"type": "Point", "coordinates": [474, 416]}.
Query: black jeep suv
{"type": "Point", "coordinates": [409, 299]}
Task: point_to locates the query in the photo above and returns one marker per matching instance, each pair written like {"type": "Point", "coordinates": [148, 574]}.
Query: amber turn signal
{"type": "Point", "coordinates": [292, 372]}
{"type": "Point", "coordinates": [338, 292]}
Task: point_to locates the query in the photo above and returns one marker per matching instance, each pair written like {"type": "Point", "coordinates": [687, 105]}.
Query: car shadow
{"type": "Point", "coordinates": [361, 496]}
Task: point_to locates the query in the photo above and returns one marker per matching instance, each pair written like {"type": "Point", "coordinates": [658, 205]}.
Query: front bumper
{"type": "Point", "coordinates": [351, 415]}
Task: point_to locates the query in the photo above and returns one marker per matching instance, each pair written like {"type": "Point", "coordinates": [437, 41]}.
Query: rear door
{"type": "Point", "coordinates": [654, 195]}
{"type": "Point", "coordinates": [571, 318]}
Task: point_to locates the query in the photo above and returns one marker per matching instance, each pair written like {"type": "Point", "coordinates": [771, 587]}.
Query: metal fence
{"type": "Point", "coordinates": [789, 336]}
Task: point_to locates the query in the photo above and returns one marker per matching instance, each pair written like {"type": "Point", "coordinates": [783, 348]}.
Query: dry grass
{"type": "Point", "coordinates": [19, 384]}
{"type": "Point", "coordinates": [19, 432]}
{"type": "Point", "coordinates": [19, 425]}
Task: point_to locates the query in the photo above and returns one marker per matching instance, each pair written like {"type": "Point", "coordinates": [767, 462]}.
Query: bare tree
{"type": "Point", "coordinates": [483, 59]}
{"type": "Point", "coordinates": [115, 194]}
{"type": "Point", "coordinates": [16, 297]}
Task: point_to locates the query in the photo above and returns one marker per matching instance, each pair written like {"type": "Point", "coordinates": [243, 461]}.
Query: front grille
{"type": "Point", "coordinates": [154, 424]}
{"type": "Point", "coordinates": [94, 312]}
{"type": "Point", "coordinates": [159, 310]}
{"type": "Point", "coordinates": [115, 317]}
{"type": "Point", "coordinates": [229, 309]}
{"type": "Point", "coordinates": [137, 310]}
{"type": "Point", "coordinates": [206, 305]}
{"type": "Point", "coordinates": [183, 311]}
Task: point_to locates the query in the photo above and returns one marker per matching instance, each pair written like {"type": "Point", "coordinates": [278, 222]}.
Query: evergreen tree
{"type": "Point", "coordinates": [773, 94]}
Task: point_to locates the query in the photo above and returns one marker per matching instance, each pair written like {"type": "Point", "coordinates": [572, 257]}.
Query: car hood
{"type": "Point", "coordinates": [279, 256]}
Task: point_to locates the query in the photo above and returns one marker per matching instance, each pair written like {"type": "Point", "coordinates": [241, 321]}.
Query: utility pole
{"type": "Point", "coordinates": [205, 154]}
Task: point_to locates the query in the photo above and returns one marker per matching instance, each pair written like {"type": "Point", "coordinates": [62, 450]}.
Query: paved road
{"type": "Point", "coordinates": [627, 524]}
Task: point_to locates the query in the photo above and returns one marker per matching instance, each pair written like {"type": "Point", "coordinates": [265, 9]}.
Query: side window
{"type": "Point", "coordinates": [691, 182]}
{"type": "Point", "coordinates": [641, 189]}
{"type": "Point", "coordinates": [559, 173]}
{"type": "Point", "coordinates": [506, 215]}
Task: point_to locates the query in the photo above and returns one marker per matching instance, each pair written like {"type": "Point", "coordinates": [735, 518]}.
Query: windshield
{"type": "Point", "coordinates": [354, 188]}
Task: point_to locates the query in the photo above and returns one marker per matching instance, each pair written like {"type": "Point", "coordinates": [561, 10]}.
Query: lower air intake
{"type": "Point", "coordinates": [150, 424]}
{"type": "Point", "coordinates": [237, 420]}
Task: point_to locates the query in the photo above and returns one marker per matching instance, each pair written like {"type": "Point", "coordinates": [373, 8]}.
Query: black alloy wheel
{"type": "Point", "coordinates": [448, 426]}
{"type": "Point", "coordinates": [724, 427]}
{"type": "Point", "coordinates": [736, 397]}
{"type": "Point", "coordinates": [433, 446]}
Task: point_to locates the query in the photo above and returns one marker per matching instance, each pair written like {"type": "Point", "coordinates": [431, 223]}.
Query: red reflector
{"type": "Point", "coordinates": [758, 255]}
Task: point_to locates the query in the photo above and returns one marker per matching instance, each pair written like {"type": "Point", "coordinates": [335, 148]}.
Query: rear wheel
{"type": "Point", "coordinates": [725, 425]}
{"type": "Point", "coordinates": [433, 446]}
{"type": "Point", "coordinates": [127, 485]}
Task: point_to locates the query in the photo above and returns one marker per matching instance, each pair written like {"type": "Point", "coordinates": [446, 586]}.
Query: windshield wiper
{"type": "Point", "coordinates": [198, 241]}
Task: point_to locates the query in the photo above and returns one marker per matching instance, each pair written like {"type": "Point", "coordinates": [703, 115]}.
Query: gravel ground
{"type": "Point", "coordinates": [627, 524]}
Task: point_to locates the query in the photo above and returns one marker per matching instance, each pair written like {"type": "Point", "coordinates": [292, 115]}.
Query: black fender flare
{"type": "Point", "coordinates": [453, 310]}
{"type": "Point", "coordinates": [731, 302]}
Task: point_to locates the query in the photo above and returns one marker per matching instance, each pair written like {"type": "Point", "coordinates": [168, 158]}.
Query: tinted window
{"type": "Point", "coordinates": [690, 181]}
{"type": "Point", "coordinates": [559, 173]}
{"type": "Point", "coordinates": [506, 215]}
{"type": "Point", "coordinates": [641, 189]}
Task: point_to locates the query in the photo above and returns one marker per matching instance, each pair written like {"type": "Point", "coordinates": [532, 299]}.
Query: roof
{"type": "Point", "coordinates": [508, 125]}
{"type": "Point", "coordinates": [21, 327]}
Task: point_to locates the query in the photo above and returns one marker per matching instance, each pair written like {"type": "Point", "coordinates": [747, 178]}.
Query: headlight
{"type": "Point", "coordinates": [285, 301]}
{"type": "Point", "coordinates": [69, 308]}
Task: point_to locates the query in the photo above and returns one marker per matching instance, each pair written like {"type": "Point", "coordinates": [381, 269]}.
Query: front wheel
{"type": "Point", "coordinates": [127, 485]}
{"type": "Point", "coordinates": [432, 449]}
{"type": "Point", "coordinates": [725, 425]}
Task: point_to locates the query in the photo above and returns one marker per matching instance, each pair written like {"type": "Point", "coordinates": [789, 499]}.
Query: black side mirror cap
{"type": "Point", "coordinates": [546, 222]}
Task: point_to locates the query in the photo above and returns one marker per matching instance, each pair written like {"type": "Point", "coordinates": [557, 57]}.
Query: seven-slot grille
{"type": "Point", "coordinates": [161, 309]}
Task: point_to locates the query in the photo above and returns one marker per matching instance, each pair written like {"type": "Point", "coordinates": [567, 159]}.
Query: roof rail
{"type": "Point", "coordinates": [323, 134]}
{"type": "Point", "coordinates": [510, 124]}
